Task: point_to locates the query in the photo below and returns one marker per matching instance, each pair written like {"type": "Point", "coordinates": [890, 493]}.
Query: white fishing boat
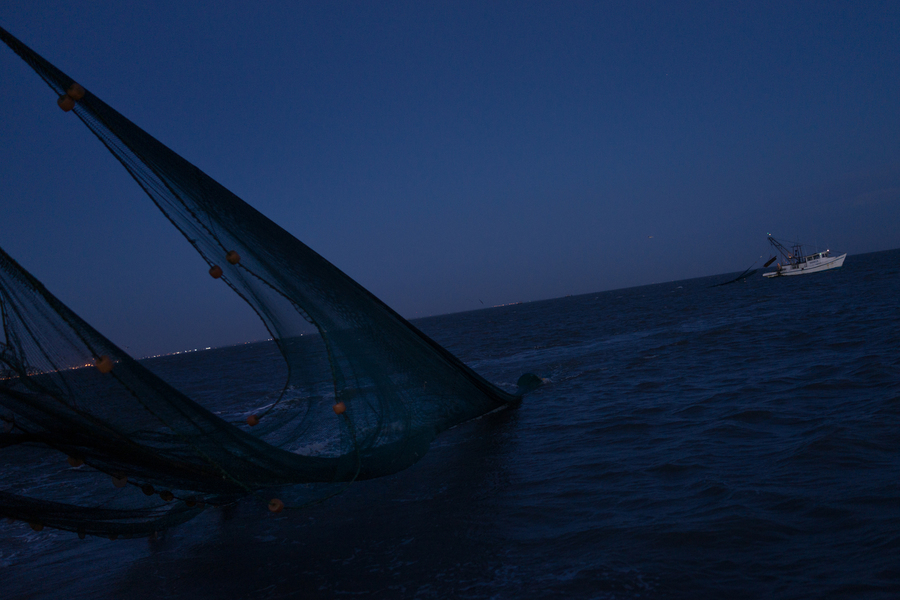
{"type": "Point", "coordinates": [798, 263]}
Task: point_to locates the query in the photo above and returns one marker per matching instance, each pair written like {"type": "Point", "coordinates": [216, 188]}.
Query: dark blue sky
{"type": "Point", "coordinates": [451, 155]}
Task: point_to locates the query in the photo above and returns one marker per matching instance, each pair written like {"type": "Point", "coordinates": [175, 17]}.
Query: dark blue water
{"type": "Point", "coordinates": [692, 442]}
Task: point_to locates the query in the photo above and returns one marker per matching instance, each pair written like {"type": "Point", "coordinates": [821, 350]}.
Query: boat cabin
{"type": "Point", "coordinates": [817, 255]}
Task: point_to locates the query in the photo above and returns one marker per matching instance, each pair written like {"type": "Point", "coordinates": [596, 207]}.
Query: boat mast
{"type": "Point", "coordinates": [791, 256]}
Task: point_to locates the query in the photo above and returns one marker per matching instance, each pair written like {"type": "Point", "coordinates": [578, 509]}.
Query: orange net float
{"type": "Point", "coordinates": [233, 257]}
{"type": "Point", "coordinates": [75, 92]}
{"type": "Point", "coordinates": [75, 461]}
{"type": "Point", "coordinates": [37, 526]}
{"type": "Point", "coordinates": [66, 103]}
{"type": "Point", "coordinates": [121, 481]}
{"type": "Point", "coordinates": [253, 420]}
{"type": "Point", "coordinates": [276, 505]}
{"type": "Point", "coordinates": [81, 533]}
{"type": "Point", "coordinates": [148, 489]}
{"type": "Point", "coordinates": [339, 408]}
{"type": "Point", "coordinates": [215, 271]}
{"type": "Point", "coordinates": [104, 364]}
{"type": "Point", "coordinates": [166, 495]}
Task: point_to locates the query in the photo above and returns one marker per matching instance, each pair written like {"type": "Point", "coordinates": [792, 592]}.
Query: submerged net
{"type": "Point", "coordinates": [65, 389]}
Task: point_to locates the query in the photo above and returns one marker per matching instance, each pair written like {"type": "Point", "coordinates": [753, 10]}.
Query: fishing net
{"type": "Point", "coordinates": [74, 403]}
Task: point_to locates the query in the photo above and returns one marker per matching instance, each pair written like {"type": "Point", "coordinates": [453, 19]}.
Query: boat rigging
{"type": "Point", "coordinates": [798, 263]}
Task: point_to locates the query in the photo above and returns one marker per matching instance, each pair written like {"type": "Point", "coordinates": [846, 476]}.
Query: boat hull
{"type": "Point", "coordinates": [822, 264]}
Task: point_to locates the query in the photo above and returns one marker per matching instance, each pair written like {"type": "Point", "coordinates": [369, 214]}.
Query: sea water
{"type": "Point", "coordinates": [691, 441]}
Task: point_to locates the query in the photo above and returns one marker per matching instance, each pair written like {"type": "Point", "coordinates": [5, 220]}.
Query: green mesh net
{"type": "Point", "coordinates": [124, 453]}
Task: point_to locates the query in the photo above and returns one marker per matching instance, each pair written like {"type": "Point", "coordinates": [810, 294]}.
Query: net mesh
{"type": "Point", "coordinates": [64, 388]}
